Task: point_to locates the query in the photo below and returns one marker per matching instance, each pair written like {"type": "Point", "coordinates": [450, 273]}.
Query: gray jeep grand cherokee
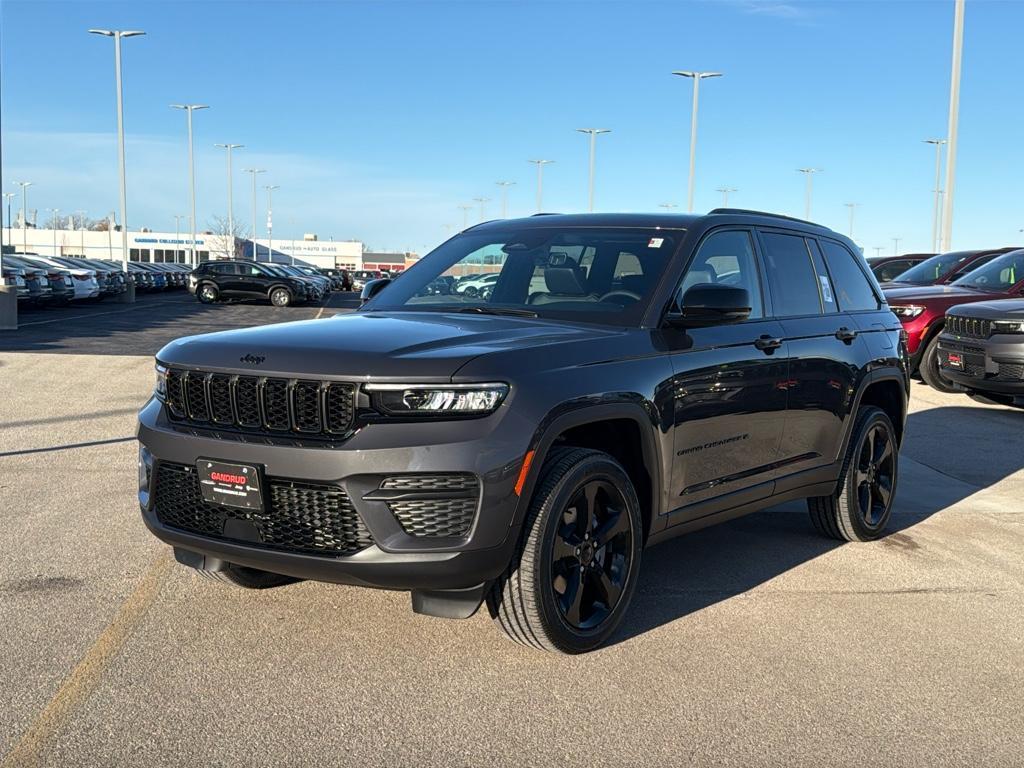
{"type": "Point", "coordinates": [629, 378]}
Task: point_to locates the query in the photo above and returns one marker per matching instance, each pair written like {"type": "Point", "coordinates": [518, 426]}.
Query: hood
{"type": "Point", "coordinates": [377, 346]}
{"type": "Point", "coordinates": [1002, 309]}
{"type": "Point", "coordinates": [923, 293]}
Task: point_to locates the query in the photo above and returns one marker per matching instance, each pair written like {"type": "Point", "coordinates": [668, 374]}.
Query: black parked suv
{"type": "Point", "coordinates": [212, 281]}
{"type": "Point", "coordinates": [630, 378]}
{"type": "Point", "coordinates": [981, 348]}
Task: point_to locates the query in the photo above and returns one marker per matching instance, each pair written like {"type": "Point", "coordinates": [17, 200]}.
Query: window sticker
{"type": "Point", "coordinates": [655, 242]}
{"type": "Point", "coordinates": [826, 289]}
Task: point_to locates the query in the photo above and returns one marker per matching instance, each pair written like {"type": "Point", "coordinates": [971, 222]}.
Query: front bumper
{"type": "Point", "coordinates": [995, 364]}
{"type": "Point", "coordinates": [395, 559]}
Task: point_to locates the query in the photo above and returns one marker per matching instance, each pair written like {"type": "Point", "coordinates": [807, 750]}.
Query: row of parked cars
{"type": "Point", "coordinates": [963, 313]}
{"type": "Point", "coordinates": [55, 280]}
{"type": "Point", "coordinates": [280, 284]}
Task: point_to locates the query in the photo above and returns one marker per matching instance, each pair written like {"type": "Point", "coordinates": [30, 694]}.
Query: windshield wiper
{"type": "Point", "coordinates": [498, 311]}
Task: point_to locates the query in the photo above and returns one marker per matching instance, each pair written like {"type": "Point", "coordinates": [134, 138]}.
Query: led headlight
{"type": "Point", "coordinates": [1008, 326]}
{"type": "Point", "coordinates": [438, 399]}
{"type": "Point", "coordinates": [906, 312]}
{"type": "Point", "coordinates": [160, 390]}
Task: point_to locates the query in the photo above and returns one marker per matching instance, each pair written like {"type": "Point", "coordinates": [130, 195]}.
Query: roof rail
{"type": "Point", "coordinates": [769, 215]}
{"type": "Point", "coordinates": [547, 213]}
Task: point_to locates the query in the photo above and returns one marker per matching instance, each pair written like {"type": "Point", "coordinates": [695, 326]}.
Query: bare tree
{"type": "Point", "coordinates": [227, 243]}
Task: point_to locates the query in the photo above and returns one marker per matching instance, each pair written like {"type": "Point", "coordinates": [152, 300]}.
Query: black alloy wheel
{"type": "Point", "coordinates": [875, 475]}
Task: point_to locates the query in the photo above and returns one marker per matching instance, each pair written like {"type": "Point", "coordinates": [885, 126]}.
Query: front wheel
{"type": "Point", "coordinates": [208, 293]}
{"type": "Point", "coordinates": [931, 372]}
{"type": "Point", "coordinates": [280, 297]}
{"type": "Point", "coordinates": [570, 582]}
{"type": "Point", "coordinates": [861, 505]}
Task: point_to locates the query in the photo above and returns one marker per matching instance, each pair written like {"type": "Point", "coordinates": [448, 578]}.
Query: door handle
{"type": "Point", "coordinates": [845, 334]}
{"type": "Point", "coordinates": [767, 344]}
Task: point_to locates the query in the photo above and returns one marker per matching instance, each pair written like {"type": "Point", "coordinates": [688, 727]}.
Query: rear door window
{"type": "Point", "coordinates": [792, 276]}
{"type": "Point", "coordinates": [849, 281]}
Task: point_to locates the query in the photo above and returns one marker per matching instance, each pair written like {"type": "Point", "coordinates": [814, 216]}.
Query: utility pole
{"type": "Point", "coordinates": [593, 133]}
{"type": "Point", "coordinates": [954, 118]}
{"type": "Point", "coordinates": [696, 77]}
{"type": "Point", "coordinates": [540, 182]}
{"type": "Point", "coordinates": [809, 175]}
{"type": "Point", "coordinates": [504, 196]}
{"type": "Point", "coordinates": [725, 194]}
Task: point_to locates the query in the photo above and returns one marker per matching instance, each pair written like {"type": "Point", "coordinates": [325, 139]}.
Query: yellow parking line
{"type": "Point", "coordinates": [86, 675]}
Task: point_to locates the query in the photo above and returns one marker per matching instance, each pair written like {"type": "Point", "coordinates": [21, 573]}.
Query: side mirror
{"type": "Point", "coordinates": [372, 288]}
{"type": "Point", "coordinates": [707, 304]}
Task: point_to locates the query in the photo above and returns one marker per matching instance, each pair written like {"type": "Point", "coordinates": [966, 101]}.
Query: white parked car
{"type": "Point", "coordinates": [478, 286]}
{"type": "Point", "coordinates": [83, 280]}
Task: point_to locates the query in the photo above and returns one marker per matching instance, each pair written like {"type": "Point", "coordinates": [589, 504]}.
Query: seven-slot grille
{"type": "Point", "coordinates": [300, 517]}
{"type": "Point", "coordinates": [260, 403]}
{"type": "Point", "coordinates": [968, 326]}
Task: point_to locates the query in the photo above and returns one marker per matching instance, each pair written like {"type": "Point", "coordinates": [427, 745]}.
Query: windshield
{"type": "Point", "coordinates": [601, 275]}
{"type": "Point", "coordinates": [998, 275]}
{"type": "Point", "coordinates": [935, 268]}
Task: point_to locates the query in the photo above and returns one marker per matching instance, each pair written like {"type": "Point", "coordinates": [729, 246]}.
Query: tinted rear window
{"type": "Point", "coordinates": [791, 275]}
{"type": "Point", "coordinates": [851, 286]}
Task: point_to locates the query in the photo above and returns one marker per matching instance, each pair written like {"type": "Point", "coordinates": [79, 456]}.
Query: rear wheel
{"type": "Point", "coordinates": [570, 582]}
{"type": "Point", "coordinates": [208, 293]}
{"type": "Point", "coordinates": [861, 505]}
{"type": "Point", "coordinates": [930, 371]}
{"type": "Point", "coordinates": [280, 297]}
{"type": "Point", "coordinates": [248, 578]}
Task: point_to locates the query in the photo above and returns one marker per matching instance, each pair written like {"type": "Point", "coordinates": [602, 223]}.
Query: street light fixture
{"type": "Point", "coordinates": [465, 208]}
{"type": "Point", "coordinates": [725, 194]}
{"type": "Point", "coordinates": [954, 118]}
{"type": "Point", "coordinates": [118, 34]}
{"type": "Point", "coordinates": [809, 174]}
{"type": "Point", "coordinates": [853, 207]}
{"type": "Point", "coordinates": [593, 133]}
{"type": "Point", "coordinates": [189, 109]}
{"type": "Point", "coordinates": [231, 207]}
{"type": "Point", "coordinates": [937, 212]}
{"type": "Point", "coordinates": [482, 201]}
{"type": "Point", "coordinates": [668, 206]}
{"type": "Point", "coordinates": [270, 220]}
{"type": "Point", "coordinates": [504, 196]}
{"type": "Point", "coordinates": [24, 213]}
{"type": "Point", "coordinates": [696, 77]}
{"type": "Point", "coordinates": [254, 171]}
{"type": "Point", "coordinates": [10, 237]}
{"type": "Point", "coordinates": [540, 181]}
{"type": "Point", "coordinates": [53, 223]}
{"type": "Point", "coordinates": [896, 246]}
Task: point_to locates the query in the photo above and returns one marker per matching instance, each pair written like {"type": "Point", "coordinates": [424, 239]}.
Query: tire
{"type": "Point", "coordinates": [930, 372]}
{"type": "Point", "coordinates": [844, 515]}
{"type": "Point", "coordinates": [207, 293]}
{"type": "Point", "coordinates": [248, 578]}
{"type": "Point", "coordinates": [556, 551]}
{"type": "Point", "coordinates": [280, 297]}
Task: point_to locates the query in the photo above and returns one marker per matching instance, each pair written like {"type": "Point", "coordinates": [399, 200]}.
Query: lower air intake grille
{"type": "Point", "coordinates": [435, 517]}
{"type": "Point", "coordinates": [300, 517]}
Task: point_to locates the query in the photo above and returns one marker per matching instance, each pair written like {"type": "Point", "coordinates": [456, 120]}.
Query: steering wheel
{"type": "Point", "coordinates": [617, 296]}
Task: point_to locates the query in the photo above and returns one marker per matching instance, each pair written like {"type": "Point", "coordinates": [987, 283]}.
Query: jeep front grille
{"type": "Point", "coordinates": [260, 403]}
{"type": "Point", "coordinates": [299, 517]}
{"type": "Point", "coordinates": [971, 327]}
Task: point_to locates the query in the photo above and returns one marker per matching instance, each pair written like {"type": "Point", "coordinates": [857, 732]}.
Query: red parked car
{"type": "Point", "coordinates": [922, 309]}
{"type": "Point", "coordinates": [945, 268]}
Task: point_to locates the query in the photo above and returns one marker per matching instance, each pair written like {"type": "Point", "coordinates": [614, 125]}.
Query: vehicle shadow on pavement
{"type": "Point", "coordinates": [696, 571]}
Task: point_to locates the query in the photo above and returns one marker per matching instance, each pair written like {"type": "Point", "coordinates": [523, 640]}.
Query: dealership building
{"type": "Point", "coordinates": [151, 246]}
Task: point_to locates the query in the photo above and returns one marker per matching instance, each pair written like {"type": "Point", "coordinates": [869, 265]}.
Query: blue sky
{"type": "Point", "coordinates": [378, 119]}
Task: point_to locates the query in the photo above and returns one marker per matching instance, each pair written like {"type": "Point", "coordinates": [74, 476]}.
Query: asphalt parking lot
{"type": "Point", "coordinates": [753, 643]}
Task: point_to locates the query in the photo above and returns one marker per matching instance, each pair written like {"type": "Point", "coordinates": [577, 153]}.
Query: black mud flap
{"type": "Point", "coordinates": [449, 603]}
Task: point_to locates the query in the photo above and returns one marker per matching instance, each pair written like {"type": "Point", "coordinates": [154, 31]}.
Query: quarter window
{"type": "Point", "coordinates": [791, 275]}
{"type": "Point", "coordinates": [853, 289]}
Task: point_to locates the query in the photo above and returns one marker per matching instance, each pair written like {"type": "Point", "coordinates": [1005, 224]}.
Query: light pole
{"type": "Point", "coordinates": [10, 237]}
{"type": "Point", "coordinates": [231, 207]}
{"type": "Point", "coordinates": [53, 222]}
{"type": "Point", "coordinates": [696, 77]}
{"type": "Point", "coordinates": [504, 196]}
{"type": "Point", "coordinates": [668, 206]}
{"type": "Point", "coordinates": [465, 214]}
{"type": "Point", "coordinates": [725, 194]}
{"type": "Point", "coordinates": [878, 250]}
{"type": "Point", "coordinates": [189, 109]}
{"type": "Point", "coordinates": [24, 214]}
{"type": "Point", "coordinates": [593, 133]}
{"type": "Point", "coordinates": [853, 208]}
{"type": "Point", "coordinates": [81, 231]}
{"type": "Point", "coordinates": [270, 220]}
{"type": "Point", "coordinates": [954, 118]}
{"type": "Point", "coordinates": [482, 201]}
{"type": "Point", "coordinates": [177, 233]}
{"type": "Point", "coordinates": [117, 34]}
{"type": "Point", "coordinates": [254, 171]}
{"type": "Point", "coordinates": [896, 246]}
{"type": "Point", "coordinates": [937, 212]}
{"type": "Point", "coordinates": [540, 181]}
{"type": "Point", "coordinates": [809, 175]}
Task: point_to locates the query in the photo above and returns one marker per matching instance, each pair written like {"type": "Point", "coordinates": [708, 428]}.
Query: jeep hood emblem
{"type": "Point", "coordinates": [252, 359]}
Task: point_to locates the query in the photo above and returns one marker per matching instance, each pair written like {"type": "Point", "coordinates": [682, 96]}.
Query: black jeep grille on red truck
{"type": "Point", "coordinates": [261, 404]}
{"type": "Point", "coordinates": [299, 517]}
